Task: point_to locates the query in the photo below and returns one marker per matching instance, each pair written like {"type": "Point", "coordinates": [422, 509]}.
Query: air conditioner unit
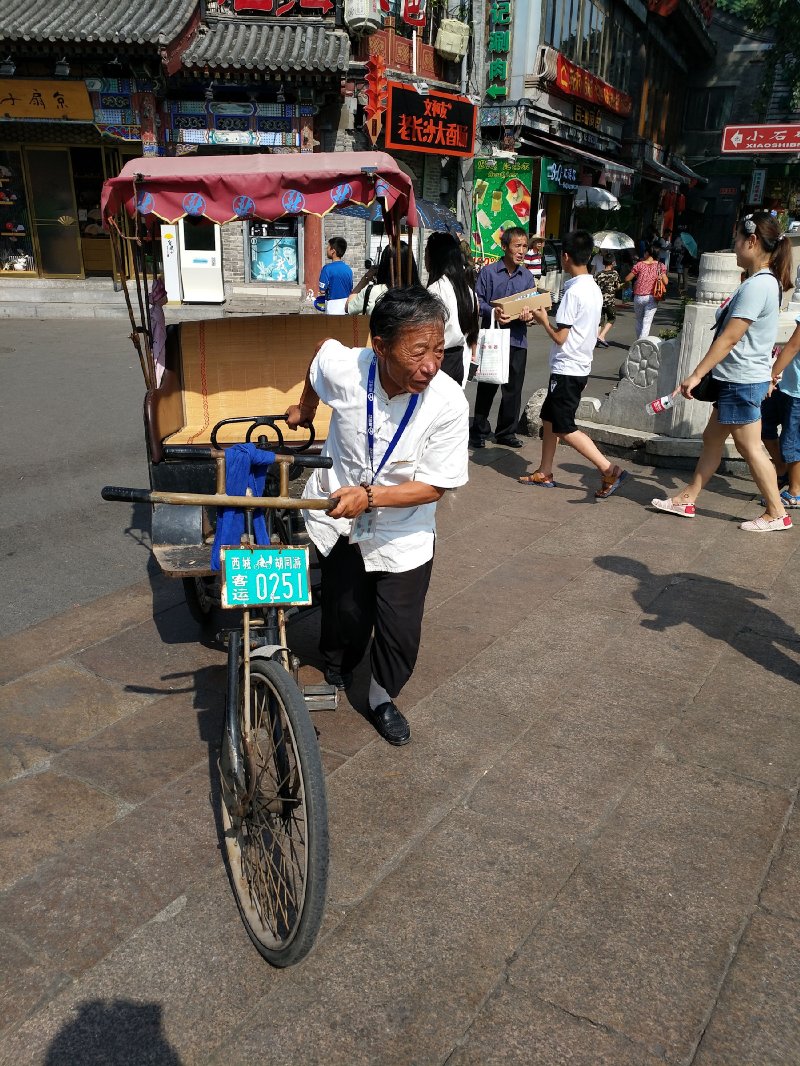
{"type": "Point", "coordinates": [452, 40]}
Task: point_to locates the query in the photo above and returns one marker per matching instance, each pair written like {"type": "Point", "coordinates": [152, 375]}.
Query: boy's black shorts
{"type": "Point", "coordinates": [561, 403]}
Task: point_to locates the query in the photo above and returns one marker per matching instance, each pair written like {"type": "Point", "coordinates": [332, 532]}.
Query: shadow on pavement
{"type": "Point", "coordinates": [115, 1031]}
{"type": "Point", "coordinates": [719, 609]}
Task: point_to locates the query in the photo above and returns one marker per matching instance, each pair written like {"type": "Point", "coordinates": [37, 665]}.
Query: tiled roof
{"type": "Point", "coordinates": [96, 20]}
{"type": "Point", "coordinates": [256, 46]}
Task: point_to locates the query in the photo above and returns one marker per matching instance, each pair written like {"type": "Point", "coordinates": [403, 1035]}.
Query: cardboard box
{"type": "Point", "coordinates": [523, 301]}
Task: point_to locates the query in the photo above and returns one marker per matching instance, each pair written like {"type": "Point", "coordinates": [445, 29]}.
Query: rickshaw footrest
{"type": "Point", "coordinates": [321, 697]}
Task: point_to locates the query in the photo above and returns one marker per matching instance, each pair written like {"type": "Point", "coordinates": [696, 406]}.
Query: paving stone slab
{"type": "Point", "coordinates": [79, 905]}
{"type": "Point", "coordinates": [135, 758]}
{"type": "Point", "coordinates": [741, 739]}
{"type": "Point", "coordinates": [51, 709]}
{"type": "Point", "coordinates": [371, 829]}
{"type": "Point", "coordinates": [158, 656]}
{"type": "Point", "coordinates": [750, 559]}
{"type": "Point", "coordinates": [181, 961]}
{"type": "Point", "coordinates": [514, 589]}
{"type": "Point", "coordinates": [42, 814]}
{"type": "Point", "coordinates": [516, 1029]}
{"type": "Point", "coordinates": [640, 938]}
{"type": "Point", "coordinates": [82, 626]}
{"type": "Point", "coordinates": [404, 983]}
{"type": "Point", "coordinates": [564, 776]}
{"type": "Point", "coordinates": [471, 553]}
{"type": "Point", "coordinates": [779, 895]}
{"type": "Point", "coordinates": [756, 1021]}
{"type": "Point", "coordinates": [26, 983]}
{"type": "Point", "coordinates": [757, 670]}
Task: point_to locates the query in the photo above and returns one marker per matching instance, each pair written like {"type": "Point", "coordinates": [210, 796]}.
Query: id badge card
{"type": "Point", "coordinates": [363, 527]}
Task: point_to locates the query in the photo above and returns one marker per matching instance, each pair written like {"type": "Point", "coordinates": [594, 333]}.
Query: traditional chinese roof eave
{"type": "Point", "coordinates": [95, 21]}
{"type": "Point", "coordinates": [309, 47]}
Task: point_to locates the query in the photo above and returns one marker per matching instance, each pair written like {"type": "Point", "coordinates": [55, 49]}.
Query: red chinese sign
{"type": "Point", "coordinates": [575, 81]}
{"type": "Point", "coordinates": [762, 138]}
{"type": "Point", "coordinates": [438, 123]}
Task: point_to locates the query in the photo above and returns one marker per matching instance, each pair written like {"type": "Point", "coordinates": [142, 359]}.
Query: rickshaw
{"type": "Point", "coordinates": [212, 390]}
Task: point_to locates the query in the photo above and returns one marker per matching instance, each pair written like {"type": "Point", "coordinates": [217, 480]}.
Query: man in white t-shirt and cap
{"type": "Point", "coordinates": [574, 339]}
{"type": "Point", "coordinates": [398, 441]}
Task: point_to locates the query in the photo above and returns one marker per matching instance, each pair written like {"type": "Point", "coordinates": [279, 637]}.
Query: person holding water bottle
{"type": "Point", "coordinates": [740, 362]}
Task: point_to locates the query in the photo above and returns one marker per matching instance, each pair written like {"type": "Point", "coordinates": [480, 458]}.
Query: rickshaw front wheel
{"type": "Point", "coordinates": [275, 818]}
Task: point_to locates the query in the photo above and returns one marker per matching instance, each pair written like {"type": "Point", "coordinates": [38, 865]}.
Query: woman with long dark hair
{"type": "Point", "coordinates": [740, 361]}
{"type": "Point", "coordinates": [378, 279]}
{"type": "Point", "coordinates": [448, 280]}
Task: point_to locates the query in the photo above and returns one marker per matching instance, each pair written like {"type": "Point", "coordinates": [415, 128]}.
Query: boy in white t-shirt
{"type": "Point", "coordinates": [574, 339]}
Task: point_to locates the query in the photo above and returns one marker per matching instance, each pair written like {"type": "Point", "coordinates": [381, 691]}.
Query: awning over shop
{"type": "Point", "coordinates": [256, 46]}
{"type": "Point", "coordinates": [117, 21]}
{"type": "Point", "coordinates": [613, 169]}
{"type": "Point", "coordinates": [663, 174]}
{"type": "Point", "coordinates": [682, 168]}
{"type": "Point", "coordinates": [432, 216]}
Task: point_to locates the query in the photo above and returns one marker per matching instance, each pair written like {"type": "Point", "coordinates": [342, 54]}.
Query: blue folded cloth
{"type": "Point", "coordinates": [245, 468]}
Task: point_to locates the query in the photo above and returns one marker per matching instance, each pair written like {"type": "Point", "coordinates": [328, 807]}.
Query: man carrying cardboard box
{"type": "Point", "coordinates": [507, 277]}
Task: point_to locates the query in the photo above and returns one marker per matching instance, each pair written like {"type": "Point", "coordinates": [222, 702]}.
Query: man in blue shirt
{"type": "Point", "coordinates": [336, 278]}
{"type": "Point", "coordinates": [506, 277]}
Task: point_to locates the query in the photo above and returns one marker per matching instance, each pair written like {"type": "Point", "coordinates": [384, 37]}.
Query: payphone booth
{"type": "Point", "coordinates": [200, 259]}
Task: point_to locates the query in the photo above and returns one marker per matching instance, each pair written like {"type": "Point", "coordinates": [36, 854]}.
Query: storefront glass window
{"type": "Point", "coordinates": [16, 241]}
{"type": "Point", "coordinates": [273, 250]}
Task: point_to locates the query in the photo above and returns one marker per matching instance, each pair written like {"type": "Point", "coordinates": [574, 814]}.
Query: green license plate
{"type": "Point", "coordinates": [265, 577]}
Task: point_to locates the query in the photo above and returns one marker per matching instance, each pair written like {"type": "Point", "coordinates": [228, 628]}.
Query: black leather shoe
{"type": "Point", "coordinates": [338, 680]}
{"type": "Point", "coordinates": [477, 442]}
{"type": "Point", "coordinates": [390, 723]}
{"type": "Point", "coordinates": [510, 442]}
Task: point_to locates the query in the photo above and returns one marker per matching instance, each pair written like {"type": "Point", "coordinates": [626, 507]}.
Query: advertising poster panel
{"type": "Point", "coordinates": [501, 199]}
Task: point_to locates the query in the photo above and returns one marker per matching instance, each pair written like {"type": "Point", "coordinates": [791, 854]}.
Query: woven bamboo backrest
{"type": "Point", "coordinates": [233, 367]}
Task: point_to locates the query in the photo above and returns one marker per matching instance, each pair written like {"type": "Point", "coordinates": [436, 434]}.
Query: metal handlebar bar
{"type": "Point", "coordinates": [202, 499]}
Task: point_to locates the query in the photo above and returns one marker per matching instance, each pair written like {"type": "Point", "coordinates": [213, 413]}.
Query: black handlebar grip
{"type": "Point", "coordinates": [188, 451]}
{"type": "Point", "coordinates": [122, 495]}
{"type": "Point", "coordinates": [319, 462]}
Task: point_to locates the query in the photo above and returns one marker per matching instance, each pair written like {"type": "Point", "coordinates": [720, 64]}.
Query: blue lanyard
{"type": "Point", "coordinates": [409, 411]}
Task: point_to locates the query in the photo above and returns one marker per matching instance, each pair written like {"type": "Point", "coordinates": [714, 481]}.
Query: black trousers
{"type": "Point", "coordinates": [453, 363]}
{"type": "Point", "coordinates": [357, 604]}
{"type": "Point", "coordinates": [510, 399]}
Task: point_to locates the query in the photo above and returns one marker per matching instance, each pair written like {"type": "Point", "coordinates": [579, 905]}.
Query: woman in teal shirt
{"type": "Point", "coordinates": [740, 361]}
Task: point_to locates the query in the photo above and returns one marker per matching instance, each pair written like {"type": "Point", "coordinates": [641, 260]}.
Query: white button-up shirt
{"type": "Point", "coordinates": [432, 449]}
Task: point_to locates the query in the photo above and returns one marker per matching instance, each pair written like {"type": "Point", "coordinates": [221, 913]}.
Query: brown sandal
{"type": "Point", "coordinates": [610, 482]}
{"type": "Point", "coordinates": [544, 481]}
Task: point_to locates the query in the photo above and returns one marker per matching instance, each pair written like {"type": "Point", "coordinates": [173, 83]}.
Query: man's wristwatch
{"type": "Point", "coordinates": [370, 501]}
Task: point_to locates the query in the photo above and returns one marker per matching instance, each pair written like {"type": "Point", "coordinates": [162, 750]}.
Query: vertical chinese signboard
{"type": "Point", "coordinates": [502, 199]}
{"type": "Point", "coordinates": [499, 42]}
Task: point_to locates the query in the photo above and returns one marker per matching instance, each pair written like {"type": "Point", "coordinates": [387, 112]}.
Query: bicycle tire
{"type": "Point", "coordinates": [276, 845]}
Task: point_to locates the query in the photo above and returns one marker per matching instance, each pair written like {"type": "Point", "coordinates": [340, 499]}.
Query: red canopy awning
{"type": "Point", "coordinates": [227, 188]}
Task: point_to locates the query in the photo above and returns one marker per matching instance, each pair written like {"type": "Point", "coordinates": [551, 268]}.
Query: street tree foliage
{"type": "Point", "coordinates": [778, 20]}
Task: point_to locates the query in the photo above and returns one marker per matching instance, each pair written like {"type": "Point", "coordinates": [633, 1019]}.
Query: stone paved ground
{"type": "Point", "coordinates": [588, 854]}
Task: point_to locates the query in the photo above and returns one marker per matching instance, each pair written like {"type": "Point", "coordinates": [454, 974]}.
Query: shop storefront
{"type": "Point", "coordinates": [59, 141]}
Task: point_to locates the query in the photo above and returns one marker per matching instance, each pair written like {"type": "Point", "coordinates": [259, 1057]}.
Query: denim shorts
{"type": "Point", "coordinates": [739, 405]}
{"type": "Point", "coordinates": [790, 427]}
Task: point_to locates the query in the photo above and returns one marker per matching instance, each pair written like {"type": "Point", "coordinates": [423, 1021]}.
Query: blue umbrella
{"type": "Point", "coordinates": [689, 243]}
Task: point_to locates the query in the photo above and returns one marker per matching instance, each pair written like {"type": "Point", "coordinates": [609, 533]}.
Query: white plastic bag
{"type": "Point", "coordinates": [494, 346]}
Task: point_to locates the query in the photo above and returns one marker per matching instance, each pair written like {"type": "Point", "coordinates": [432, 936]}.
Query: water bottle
{"type": "Point", "coordinates": [663, 403]}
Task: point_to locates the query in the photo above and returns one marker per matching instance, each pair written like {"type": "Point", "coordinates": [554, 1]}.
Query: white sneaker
{"type": "Point", "coordinates": [685, 510]}
{"type": "Point", "coordinates": [766, 525]}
